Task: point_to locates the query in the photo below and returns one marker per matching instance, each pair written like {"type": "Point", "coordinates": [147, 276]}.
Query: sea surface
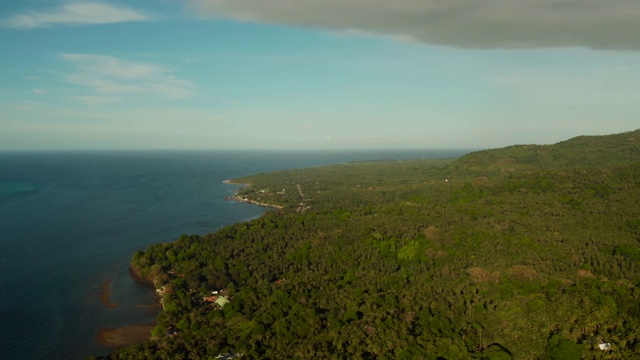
{"type": "Point", "coordinates": [71, 220]}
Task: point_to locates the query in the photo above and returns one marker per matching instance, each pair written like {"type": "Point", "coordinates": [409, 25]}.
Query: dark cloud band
{"type": "Point", "coordinates": [511, 24]}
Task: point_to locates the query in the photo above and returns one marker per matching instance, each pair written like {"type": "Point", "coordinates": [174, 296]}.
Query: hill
{"type": "Point", "coordinates": [526, 252]}
{"type": "Point", "coordinates": [580, 151]}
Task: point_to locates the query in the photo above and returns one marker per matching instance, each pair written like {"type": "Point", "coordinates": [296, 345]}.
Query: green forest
{"type": "Point", "coordinates": [525, 252]}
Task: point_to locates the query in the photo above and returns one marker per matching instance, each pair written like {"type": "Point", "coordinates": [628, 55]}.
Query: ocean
{"type": "Point", "coordinates": [69, 221]}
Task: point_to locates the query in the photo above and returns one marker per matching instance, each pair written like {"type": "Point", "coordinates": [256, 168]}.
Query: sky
{"type": "Point", "coordinates": [309, 74]}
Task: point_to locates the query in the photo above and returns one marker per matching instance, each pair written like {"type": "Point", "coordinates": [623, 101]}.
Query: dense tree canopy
{"type": "Point", "coordinates": [525, 252]}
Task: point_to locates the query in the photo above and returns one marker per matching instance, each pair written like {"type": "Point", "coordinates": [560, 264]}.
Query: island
{"type": "Point", "coordinates": [525, 252]}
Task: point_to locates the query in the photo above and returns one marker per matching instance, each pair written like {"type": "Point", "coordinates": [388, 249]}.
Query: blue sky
{"type": "Point", "coordinates": [303, 74]}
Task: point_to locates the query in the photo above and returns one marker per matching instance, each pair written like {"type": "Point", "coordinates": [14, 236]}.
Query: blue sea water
{"type": "Point", "coordinates": [71, 220]}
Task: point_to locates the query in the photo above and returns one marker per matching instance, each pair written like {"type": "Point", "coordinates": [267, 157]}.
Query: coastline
{"type": "Point", "coordinates": [131, 334]}
{"type": "Point", "coordinates": [252, 202]}
{"type": "Point", "coordinates": [238, 198]}
{"type": "Point", "coordinates": [138, 278]}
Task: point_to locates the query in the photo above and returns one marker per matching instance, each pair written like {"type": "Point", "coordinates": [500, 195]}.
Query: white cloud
{"type": "Point", "coordinates": [39, 91]}
{"type": "Point", "coordinates": [115, 76]}
{"type": "Point", "coordinates": [79, 13]}
{"type": "Point", "coordinates": [595, 24]}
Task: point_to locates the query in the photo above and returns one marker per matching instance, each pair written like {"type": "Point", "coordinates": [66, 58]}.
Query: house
{"type": "Point", "coordinates": [210, 298]}
{"type": "Point", "coordinates": [604, 346]}
{"type": "Point", "coordinates": [222, 301]}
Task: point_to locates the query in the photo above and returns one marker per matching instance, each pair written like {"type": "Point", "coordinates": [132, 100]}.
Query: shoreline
{"type": "Point", "coordinates": [140, 333]}
{"type": "Point", "coordinates": [151, 283]}
{"type": "Point", "coordinates": [138, 278]}
{"type": "Point", "coordinates": [237, 197]}
{"type": "Point", "coordinates": [114, 338]}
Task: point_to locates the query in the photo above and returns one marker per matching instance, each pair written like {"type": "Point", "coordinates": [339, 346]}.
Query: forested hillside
{"type": "Point", "coordinates": [526, 252]}
{"type": "Point", "coordinates": [580, 151]}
